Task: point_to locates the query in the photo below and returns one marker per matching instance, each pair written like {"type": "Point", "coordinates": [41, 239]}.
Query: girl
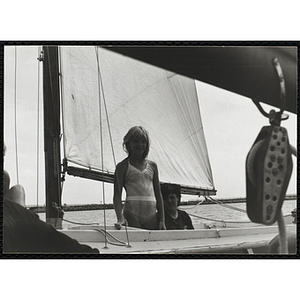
{"type": "Point", "coordinates": [139, 177]}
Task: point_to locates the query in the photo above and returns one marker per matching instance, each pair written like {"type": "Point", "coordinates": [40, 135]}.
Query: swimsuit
{"type": "Point", "coordinates": [140, 203]}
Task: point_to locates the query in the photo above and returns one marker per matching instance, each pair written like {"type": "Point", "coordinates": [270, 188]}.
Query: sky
{"type": "Point", "coordinates": [231, 124]}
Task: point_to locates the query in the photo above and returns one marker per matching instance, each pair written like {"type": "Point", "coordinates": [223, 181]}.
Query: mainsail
{"type": "Point", "coordinates": [104, 94]}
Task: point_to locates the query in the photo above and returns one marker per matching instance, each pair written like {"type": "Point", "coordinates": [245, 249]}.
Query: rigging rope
{"type": "Point", "coordinates": [79, 223]}
{"type": "Point", "coordinates": [106, 112]}
{"type": "Point", "coordinates": [101, 137]}
{"type": "Point", "coordinates": [62, 117]}
{"type": "Point", "coordinates": [15, 102]}
{"type": "Point", "coordinates": [194, 206]}
{"type": "Point", "coordinates": [219, 203]}
{"type": "Point", "coordinates": [61, 97]}
{"type": "Point", "coordinates": [217, 220]}
{"type": "Point", "coordinates": [226, 205]}
{"type": "Point", "coordinates": [38, 129]}
{"type": "Point", "coordinates": [105, 233]}
{"type": "Point", "coordinates": [222, 204]}
{"type": "Point", "coordinates": [108, 123]}
{"type": "Point", "coordinates": [100, 85]}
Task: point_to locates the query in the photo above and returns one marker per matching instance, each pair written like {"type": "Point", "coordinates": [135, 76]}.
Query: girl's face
{"type": "Point", "coordinates": [137, 145]}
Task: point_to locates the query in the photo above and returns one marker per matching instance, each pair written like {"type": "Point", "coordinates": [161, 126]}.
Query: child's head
{"type": "Point", "coordinates": [168, 189]}
{"type": "Point", "coordinates": [136, 133]}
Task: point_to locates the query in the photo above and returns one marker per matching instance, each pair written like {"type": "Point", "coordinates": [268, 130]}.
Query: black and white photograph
{"type": "Point", "coordinates": [150, 149]}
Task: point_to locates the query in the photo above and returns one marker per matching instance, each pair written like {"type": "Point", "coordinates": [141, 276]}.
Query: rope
{"type": "Point", "coordinates": [216, 220]}
{"type": "Point", "coordinates": [294, 151]}
{"type": "Point", "coordinates": [15, 102]}
{"type": "Point", "coordinates": [226, 205]}
{"type": "Point", "coordinates": [194, 206]}
{"type": "Point", "coordinates": [283, 242]}
{"type": "Point", "coordinates": [105, 233]}
{"type": "Point", "coordinates": [225, 221]}
{"type": "Point", "coordinates": [78, 223]}
{"type": "Point", "coordinates": [222, 204]}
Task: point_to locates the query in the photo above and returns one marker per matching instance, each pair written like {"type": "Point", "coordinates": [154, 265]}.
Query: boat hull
{"type": "Point", "coordinates": [200, 241]}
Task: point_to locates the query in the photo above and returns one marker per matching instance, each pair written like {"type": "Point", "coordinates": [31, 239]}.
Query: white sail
{"type": "Point", "coordinates": [131, 93]}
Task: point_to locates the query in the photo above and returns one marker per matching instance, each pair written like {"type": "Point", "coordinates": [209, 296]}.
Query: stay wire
{"type": "Point", "coordinates": [106, 113]}
{"type": "Point", "coordinates": [38, 130]}
{"type": "Point", "coordinates": [108, 124]}
{"type": "Point", "coordinates": [101, 137]}
{"type": "Point", "coordinates": [61, 82]}
{"type": "Point", "coordinates": [62, 118]}
{"type": "Point", "coordinates": [15, 117]}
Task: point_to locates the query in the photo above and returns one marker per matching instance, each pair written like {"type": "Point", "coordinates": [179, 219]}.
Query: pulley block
{"type": "Point", "coordinates": [268, 170]}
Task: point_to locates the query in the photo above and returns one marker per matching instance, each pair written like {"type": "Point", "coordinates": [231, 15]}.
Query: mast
{"type": "Point", "coordinates": [52, 136]}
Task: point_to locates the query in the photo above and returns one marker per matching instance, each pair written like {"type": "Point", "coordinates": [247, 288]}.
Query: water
{"type": "Point", "coordinates": [212, 212]}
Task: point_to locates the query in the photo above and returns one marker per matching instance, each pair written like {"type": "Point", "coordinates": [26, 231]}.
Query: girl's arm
{"type": "Point", "coordinates": [117, 199]}
{"type": "Point", "coordinates": [158, 196]}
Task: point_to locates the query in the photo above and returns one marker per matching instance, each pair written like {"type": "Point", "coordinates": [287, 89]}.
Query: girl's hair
{"type": "Point", "coordinates": [136, 132]}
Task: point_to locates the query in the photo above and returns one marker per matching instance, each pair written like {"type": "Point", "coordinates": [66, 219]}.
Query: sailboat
{"type": "Point", "coordinates": [103, 91]}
